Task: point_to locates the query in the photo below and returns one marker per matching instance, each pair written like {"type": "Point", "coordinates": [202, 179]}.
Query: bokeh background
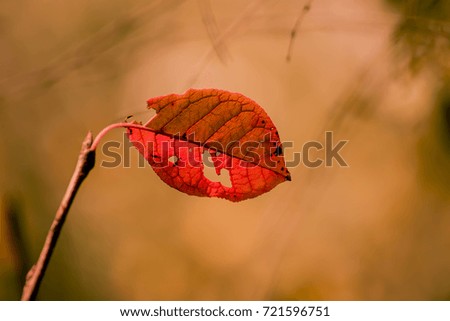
{"type": "Point", "coordinates": [376, 73]}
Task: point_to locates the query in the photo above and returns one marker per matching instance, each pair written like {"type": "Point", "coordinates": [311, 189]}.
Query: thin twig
{"type": "Point", "coordinates": [86, 162]}
{"type": "Point", "coordinates": [304, 10]}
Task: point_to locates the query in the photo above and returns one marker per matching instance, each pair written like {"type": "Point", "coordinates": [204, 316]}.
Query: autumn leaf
{"type": "Point", "coordinates": [236, 131]}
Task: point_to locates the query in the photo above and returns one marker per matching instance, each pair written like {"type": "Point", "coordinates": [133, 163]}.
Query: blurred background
{"type": "Point", "coordinates": [376, 73]}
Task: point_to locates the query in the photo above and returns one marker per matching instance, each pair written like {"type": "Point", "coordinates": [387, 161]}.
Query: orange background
{"type": "Point", "coordinates": [375, 73]}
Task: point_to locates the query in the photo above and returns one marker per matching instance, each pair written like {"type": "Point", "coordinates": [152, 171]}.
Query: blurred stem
{"type": "Point", "coordinates": [12, 213]}
{"type": "Point", "coordinates": [304, 10]}
{"type": "Point", "coordinates": [86, 162]}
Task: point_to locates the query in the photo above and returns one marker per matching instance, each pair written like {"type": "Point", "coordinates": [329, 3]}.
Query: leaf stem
{"type": "Point", "coordinates": [117, 125]}
{"type": "Point", "coordinates": [86, 162]}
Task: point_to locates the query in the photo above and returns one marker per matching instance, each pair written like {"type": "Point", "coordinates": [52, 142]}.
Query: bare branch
{"type": "Point", "coordinates": [86, 162]}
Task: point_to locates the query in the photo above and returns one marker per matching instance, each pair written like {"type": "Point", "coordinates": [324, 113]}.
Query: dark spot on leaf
{"type": "Point", "coordinates": [278, 151]}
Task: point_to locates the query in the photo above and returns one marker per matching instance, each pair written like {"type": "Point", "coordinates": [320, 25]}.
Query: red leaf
{"type": "Point", "coordinates": [236, 131]}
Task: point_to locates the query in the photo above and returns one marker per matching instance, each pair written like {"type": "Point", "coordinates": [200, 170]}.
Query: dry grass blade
{"type": "Point", "coordinates": [304, 10]}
